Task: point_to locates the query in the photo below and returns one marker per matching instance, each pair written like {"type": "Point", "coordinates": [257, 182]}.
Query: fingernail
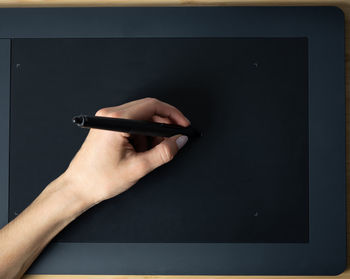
{"type": "Point", "coordinates": [181, 141]}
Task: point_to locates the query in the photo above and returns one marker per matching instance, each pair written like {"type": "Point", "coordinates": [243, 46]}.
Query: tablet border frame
{"type": "Point", "coordinates": [325, 253]}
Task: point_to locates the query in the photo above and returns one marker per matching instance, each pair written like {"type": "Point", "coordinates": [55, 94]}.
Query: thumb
{"type": "Point", "coordinates": [163, 152]}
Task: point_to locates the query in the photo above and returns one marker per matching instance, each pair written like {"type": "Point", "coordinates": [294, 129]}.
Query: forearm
{"type": "Point", "coordinates": [23, 239]}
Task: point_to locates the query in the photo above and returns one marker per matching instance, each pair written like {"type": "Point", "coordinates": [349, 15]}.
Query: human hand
{"type": "Point", "coordinates": [108, 163]}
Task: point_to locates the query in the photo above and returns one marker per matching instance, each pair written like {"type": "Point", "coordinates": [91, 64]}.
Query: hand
{"type": "Point", "coordinates": [108, 164]}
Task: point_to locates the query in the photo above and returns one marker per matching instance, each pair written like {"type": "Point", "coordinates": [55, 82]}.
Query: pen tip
{"type": "Point", "coordinates": [78, 120]}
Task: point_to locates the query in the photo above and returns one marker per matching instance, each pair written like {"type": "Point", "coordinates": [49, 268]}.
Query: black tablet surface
{"type": "Point", "coordinates": [249, 186]}
{"type": "Point", "coordinates": [245, 180]}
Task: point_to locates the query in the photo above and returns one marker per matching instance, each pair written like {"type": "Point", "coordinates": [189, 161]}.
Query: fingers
{"type": "Point", "coordinates": [159, 119]}
{"type": "Point", "coordinates": [145, 109]}
{"type": "Point", "coordinates": [153, 107]}
{"type": "Point", "coordinates": [161, 153]}
{"type": "Point", "coordinates": [154, 110]}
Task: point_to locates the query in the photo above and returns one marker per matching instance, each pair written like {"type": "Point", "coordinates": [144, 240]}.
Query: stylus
{"type": "Point", "coordinates": [138, 127]}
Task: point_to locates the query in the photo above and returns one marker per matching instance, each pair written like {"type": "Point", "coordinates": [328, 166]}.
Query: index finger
{"type": "Point", "coordinates": [144, 110]}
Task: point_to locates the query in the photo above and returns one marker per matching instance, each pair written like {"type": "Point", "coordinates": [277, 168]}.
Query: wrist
{"type": "Point", "coordinates": [63, 191]}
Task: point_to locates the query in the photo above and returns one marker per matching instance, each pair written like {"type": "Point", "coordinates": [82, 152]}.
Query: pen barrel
{"type": "Point", "coordinates": [136, 127]}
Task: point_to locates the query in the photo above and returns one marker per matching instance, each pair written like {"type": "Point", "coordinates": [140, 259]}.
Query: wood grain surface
{"type": "Point", "coordinates": [343, 4]}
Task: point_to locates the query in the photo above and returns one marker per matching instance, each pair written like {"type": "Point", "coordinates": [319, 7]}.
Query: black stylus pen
{"type": "Point", "coordinates": [136, 127]}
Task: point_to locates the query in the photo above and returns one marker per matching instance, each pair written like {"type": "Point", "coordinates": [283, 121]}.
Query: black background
{"type": "Point", "coordinates": [245, 180]}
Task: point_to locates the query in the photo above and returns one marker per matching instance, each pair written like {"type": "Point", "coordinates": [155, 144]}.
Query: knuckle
{"type": "Point", "coordinates": [151, 100]}
{"type": "Point", "coordinates": [165, 154]}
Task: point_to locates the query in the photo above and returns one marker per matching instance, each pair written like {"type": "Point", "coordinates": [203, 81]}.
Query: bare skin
{"type": "Point", "coordinates": [106, 165]}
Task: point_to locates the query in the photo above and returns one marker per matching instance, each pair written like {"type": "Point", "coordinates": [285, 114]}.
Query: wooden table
{"type": "Point", "coordinates": [343, 4]}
